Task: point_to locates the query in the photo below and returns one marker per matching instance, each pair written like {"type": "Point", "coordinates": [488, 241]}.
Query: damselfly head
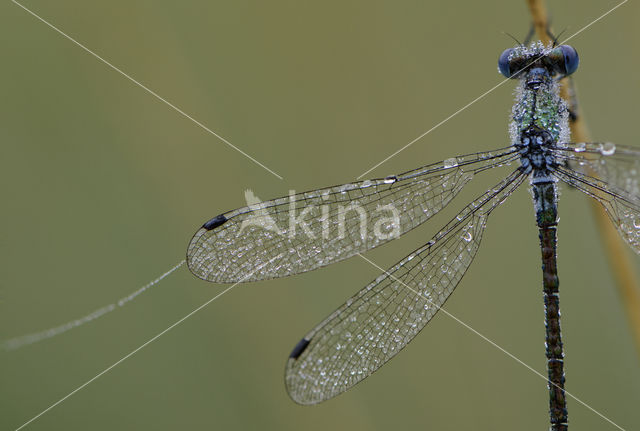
{"type": "Point", "coordinates": [558, 61]}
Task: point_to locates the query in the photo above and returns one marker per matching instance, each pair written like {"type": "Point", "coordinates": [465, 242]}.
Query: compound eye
{"type": "Point", "coordinates": [571, 59]}
{"type": "Point", "coordinates": [503, 62]}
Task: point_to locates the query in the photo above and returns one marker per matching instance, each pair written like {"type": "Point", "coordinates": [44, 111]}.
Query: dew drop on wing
{"type": "Point", "coordinates": [450, 163]}
{"type": "Point", "coordinates": [608, 149]}
{"type": "Point", "coordinates": [390, 179]}
{"type": "Point", "coordinates": [215, 222]}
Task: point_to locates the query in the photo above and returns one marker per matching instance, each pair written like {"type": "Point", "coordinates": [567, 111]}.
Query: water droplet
{"type": "Point", "coordinates": [390, 180]}
{"type": "Point", "coordinates": [608, 149]}
{"type": "Point", "coordinates": [580, 147]}
{"type": "Point", "coordinates": [450, 163]}
{"type": "Point", "coordinates": [467, 237]}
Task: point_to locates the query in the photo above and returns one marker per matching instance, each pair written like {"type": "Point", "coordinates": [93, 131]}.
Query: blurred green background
{"type": "Point", "coordinates": [103, 186]}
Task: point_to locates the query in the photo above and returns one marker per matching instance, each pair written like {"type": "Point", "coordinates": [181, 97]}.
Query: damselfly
{"type": "Point", "coordinates": [309, 230]}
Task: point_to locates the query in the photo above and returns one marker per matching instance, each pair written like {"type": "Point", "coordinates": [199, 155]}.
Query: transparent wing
{"type": "Point", "coordinates": [381, 319]}
{"type": "Point", "coordinates": [616, 165]}
{"type": "Point", "coordinates": [313, 229]}
{"type": "Point", "coordinates": [618, 196]}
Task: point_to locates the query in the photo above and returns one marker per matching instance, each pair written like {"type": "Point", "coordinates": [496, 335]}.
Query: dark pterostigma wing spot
{"type": "Point", "coordinates": [215, 222]}
{"type": "Point", "coordinates": [300, 347]}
